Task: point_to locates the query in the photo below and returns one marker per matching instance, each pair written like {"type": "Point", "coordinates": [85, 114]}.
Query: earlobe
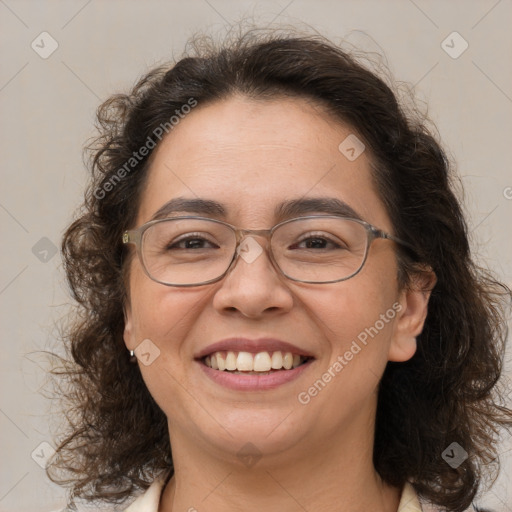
{"type": "Point", "coordinates": [411, 317]}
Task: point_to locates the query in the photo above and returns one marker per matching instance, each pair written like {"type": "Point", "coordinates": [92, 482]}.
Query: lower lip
{"type": "Point", "coordinates": [254, 382]}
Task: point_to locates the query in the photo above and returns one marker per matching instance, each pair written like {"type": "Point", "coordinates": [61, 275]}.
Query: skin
{"type": "Point", "coordinates": [251, 155]}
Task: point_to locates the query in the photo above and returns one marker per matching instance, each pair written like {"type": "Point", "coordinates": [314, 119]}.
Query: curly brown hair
{"type": "Point", "coordinates": [118, 437]}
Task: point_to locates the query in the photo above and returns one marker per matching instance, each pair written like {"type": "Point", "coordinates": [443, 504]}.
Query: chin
{"type": "Point", "coordinates": [260, 431]}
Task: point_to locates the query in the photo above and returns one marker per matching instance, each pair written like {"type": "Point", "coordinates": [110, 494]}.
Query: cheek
{"type": "Point", "coordinates": [358, 315]}
{"type": "Point", "coordinates": [348, 315]}
{"type": "Point", "coordinates": [162, 314]}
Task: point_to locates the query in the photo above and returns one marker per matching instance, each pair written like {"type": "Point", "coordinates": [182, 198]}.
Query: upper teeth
{"type": "Point", "coordinates": [247, 362]}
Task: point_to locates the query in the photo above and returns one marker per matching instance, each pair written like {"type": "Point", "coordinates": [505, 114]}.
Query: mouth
{"type": "Point", "coordinates": [244, 364]}
{"type": "Point", "coordinates": [248, 363]}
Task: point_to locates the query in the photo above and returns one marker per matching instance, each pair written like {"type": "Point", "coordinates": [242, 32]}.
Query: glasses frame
{"type": "Point", "coordinates": [135, 237]}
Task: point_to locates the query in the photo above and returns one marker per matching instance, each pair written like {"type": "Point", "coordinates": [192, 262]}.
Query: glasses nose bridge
{"type": "Point", "coordinates": [241, 234]}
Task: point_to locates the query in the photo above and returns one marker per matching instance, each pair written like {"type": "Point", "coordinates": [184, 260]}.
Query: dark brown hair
{"type": "Point", "coordinates": [118, 438]}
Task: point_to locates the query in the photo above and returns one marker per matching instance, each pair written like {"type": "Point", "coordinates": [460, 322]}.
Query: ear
{"type": "Point", "coordinates": [413, 301]}
{"type": "Point", "coordinates": [128, 327]}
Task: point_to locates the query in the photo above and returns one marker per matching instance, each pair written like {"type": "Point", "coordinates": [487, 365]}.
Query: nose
{"type": "Point", "coordinates": [253, 286]}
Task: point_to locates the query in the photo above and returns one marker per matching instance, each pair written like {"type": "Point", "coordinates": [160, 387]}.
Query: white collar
{"type": "Point", "coordinates": [150, 500]}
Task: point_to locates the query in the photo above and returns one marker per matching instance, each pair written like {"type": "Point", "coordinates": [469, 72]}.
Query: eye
{"type": "Point", "coordinates": [190, 241]}
{"type": "Point", "coordinates": [319, 241]}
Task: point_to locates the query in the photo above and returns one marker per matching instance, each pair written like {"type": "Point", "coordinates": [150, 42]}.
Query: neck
{"type": "Point", "coordinates": [329, 474]}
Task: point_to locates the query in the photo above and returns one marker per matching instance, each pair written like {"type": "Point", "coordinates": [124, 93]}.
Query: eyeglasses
{"type": "Point", "coordinates": [193, 251]}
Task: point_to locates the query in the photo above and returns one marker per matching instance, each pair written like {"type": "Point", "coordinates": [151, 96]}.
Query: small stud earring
{"type": "Point", "coordinates": [133, 358]}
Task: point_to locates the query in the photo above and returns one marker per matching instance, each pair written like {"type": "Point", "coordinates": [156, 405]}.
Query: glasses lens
{"type": "Point", "coordinates": [320, 249]}
{"type": "Point", "coordinates": [188, 251]}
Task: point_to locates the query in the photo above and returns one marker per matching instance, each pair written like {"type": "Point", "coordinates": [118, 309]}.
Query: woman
{"type": "Point", "coordinates": [274, 281]}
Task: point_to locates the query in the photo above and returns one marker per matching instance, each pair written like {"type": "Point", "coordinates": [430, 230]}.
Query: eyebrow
{"type": "Point", "coordinates": [285, 210]}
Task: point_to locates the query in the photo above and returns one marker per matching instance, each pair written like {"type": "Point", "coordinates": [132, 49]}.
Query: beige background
{"type": "Point", "coordinates": [47, 110]}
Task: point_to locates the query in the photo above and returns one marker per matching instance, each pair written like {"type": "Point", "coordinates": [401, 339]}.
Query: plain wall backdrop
{"type": "Point", "coordinates": [61, 59]}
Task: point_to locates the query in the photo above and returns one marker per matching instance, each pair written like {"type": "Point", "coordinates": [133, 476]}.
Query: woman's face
{"type": "Point", "coordinates": [251, 156]}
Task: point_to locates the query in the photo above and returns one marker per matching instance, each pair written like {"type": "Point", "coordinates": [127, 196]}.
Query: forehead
{"type": "Point", "coordinates": [251, 156]}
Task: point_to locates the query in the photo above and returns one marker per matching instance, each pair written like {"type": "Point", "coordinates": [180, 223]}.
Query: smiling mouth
{"type": "Point", "coordinates": [247, 363]}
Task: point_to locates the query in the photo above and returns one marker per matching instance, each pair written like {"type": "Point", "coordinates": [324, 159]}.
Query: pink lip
{"type": "Point", "coordinates": [253, 346]}
{"type": "Point", "coordinates": [254, 382]}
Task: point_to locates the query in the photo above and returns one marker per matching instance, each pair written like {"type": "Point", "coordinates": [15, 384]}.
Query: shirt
{"type": "Point", "coordinates": [149, 501]}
